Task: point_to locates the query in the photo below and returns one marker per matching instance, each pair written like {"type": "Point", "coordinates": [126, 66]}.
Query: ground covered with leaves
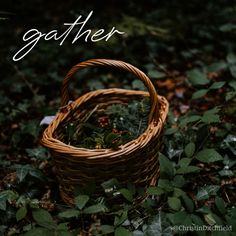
{"type": "Point", "coordinates": [188, 50]}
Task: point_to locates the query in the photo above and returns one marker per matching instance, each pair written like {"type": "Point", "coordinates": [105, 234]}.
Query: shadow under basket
{"type": "Point", "coordinates": [135, 162]}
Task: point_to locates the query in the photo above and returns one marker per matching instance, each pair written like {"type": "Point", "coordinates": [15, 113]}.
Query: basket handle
{"type": "Point", "coordinates": [154, 113]}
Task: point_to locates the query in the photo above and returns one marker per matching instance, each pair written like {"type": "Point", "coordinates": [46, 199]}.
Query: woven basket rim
{"type": "Point", "coordinates": [61, 147]}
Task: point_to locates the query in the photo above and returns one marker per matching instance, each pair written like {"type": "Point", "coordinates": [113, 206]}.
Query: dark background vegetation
{"type": "Point", "coordinates": [186, 47]}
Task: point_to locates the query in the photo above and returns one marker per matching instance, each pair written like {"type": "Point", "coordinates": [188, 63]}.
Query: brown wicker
{"type": "Point", "coordinates": [136, 161]}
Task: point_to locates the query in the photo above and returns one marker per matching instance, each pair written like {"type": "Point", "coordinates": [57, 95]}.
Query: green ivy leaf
{"type": "Point", "coordinates": [184, 162]}
{"type": "Point", "coordinates": [226, 172]}
{"type": "Point", "coordinates": [158, 226]}
{"type": "Point", "coordinates": [40, 153]}
{"type": "Point", "coordinates": [95, 209]}
{"type": "Point", "coordinates": [110, 186]}
{"type": "Point", "coordinates": [217, 66]}
{"type": "Point", "coordinates": [230, 95]}
{"type": "Point", "coordinates": [182, 218]}
{"type": "Point", "coordinates": [43, 218]}
{"type": "Point", "coordinates": [126, 194]}
{"type": "Point", "coordinates": [170, 131]}
{"type": "Point", "coordinates": [30, 127]}
{"type": "Point", "coordinates": [138, 233]}
{"type": "Point", "coordinates": [62, 226]}
{"type": "Point", "coordinates": [231, 58]}
{"type": "Point", "coordinates": [165, 184]}
{"type": "Point", "coordinates": [188, 202]}
{"type": "Point", "coordinates": [3, 201]}
{"type": "Point", "coordinates": [199, 93]}
{"type": "Point", "coordinates": [220, 204]}
{"type": "Point", "coordinates": [121, 219]}
{"type": "Point", "coordinates": [21, 172]}
{"type": "Point", "coordinates": [69, 213]}
{"type": "Point", "coordinates": [208, 156]}
{"type": "Point", "coordinates": [204, 210]}
{"type": "Point", "coordinates": [155, 191]}
{"type": "Point", "coordinates": [217, 85]}
{"type": "Point", "coordinates": [121, 231]}
{"type": "Point", "coordinates": [218, 219]}
{"type": "Point", "coordinates": [231, 217]}
{"type": "Point", "coordinates": [37, 174]}
{"type": "Point", "coordinates": [209, 219]}
{"type": "Point", "coordinates": [197, 220]}
{"type": "Point", "coordinates": [81, 200]}
{"type": "Point", "coordinates": [21, 213]}
{"type": "Point", "coordinates": [189, 149]}
{"type": "Point", "coordinates": [5, 196]}
{"type": "Point", "coordinates": [174, 203]}
{"type": "Point", "coordinates": [154, 73]}
{"type": "Point", "coordinates": [178, 192]}
{"type": "Point", "coordinates": [207, 191]}
{"type": "Point", "coordinates": [211, 116]}
{"type": "Point", "coordinates": [197, 77]}
{"type": "Point", "coordinates": [166, 167]}
{"type": "Point", "coordinates": [232, 69]}
{"type": "Point", "coordinates": [178, 181]}
{"type": "Point", "coordinates": [188, 169]}
{"type": "Point", "coordinates": [189, 119]}
{"type": "Point", "coordinates": [137, 84]}
{"type": "Point", "coordinates": [107, 229]}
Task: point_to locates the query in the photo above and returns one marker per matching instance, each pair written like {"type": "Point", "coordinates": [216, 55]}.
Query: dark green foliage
{"type": "Point", "coordinates": [117, 125]}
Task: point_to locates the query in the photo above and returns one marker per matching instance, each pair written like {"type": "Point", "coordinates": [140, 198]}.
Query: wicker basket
{"type": "Point", "coordinates": [135, 161]}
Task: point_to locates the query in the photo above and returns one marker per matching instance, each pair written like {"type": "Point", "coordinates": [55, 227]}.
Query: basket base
{"type": "Point", "coordinates": [68, 196]}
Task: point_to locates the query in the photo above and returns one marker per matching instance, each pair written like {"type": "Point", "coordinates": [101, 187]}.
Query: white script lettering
{"type": "Point", "coordinates": [33, 36]}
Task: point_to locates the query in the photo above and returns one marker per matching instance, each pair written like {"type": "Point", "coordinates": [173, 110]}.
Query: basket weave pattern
{"type": "Point", "coordinates": [135, 161]}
